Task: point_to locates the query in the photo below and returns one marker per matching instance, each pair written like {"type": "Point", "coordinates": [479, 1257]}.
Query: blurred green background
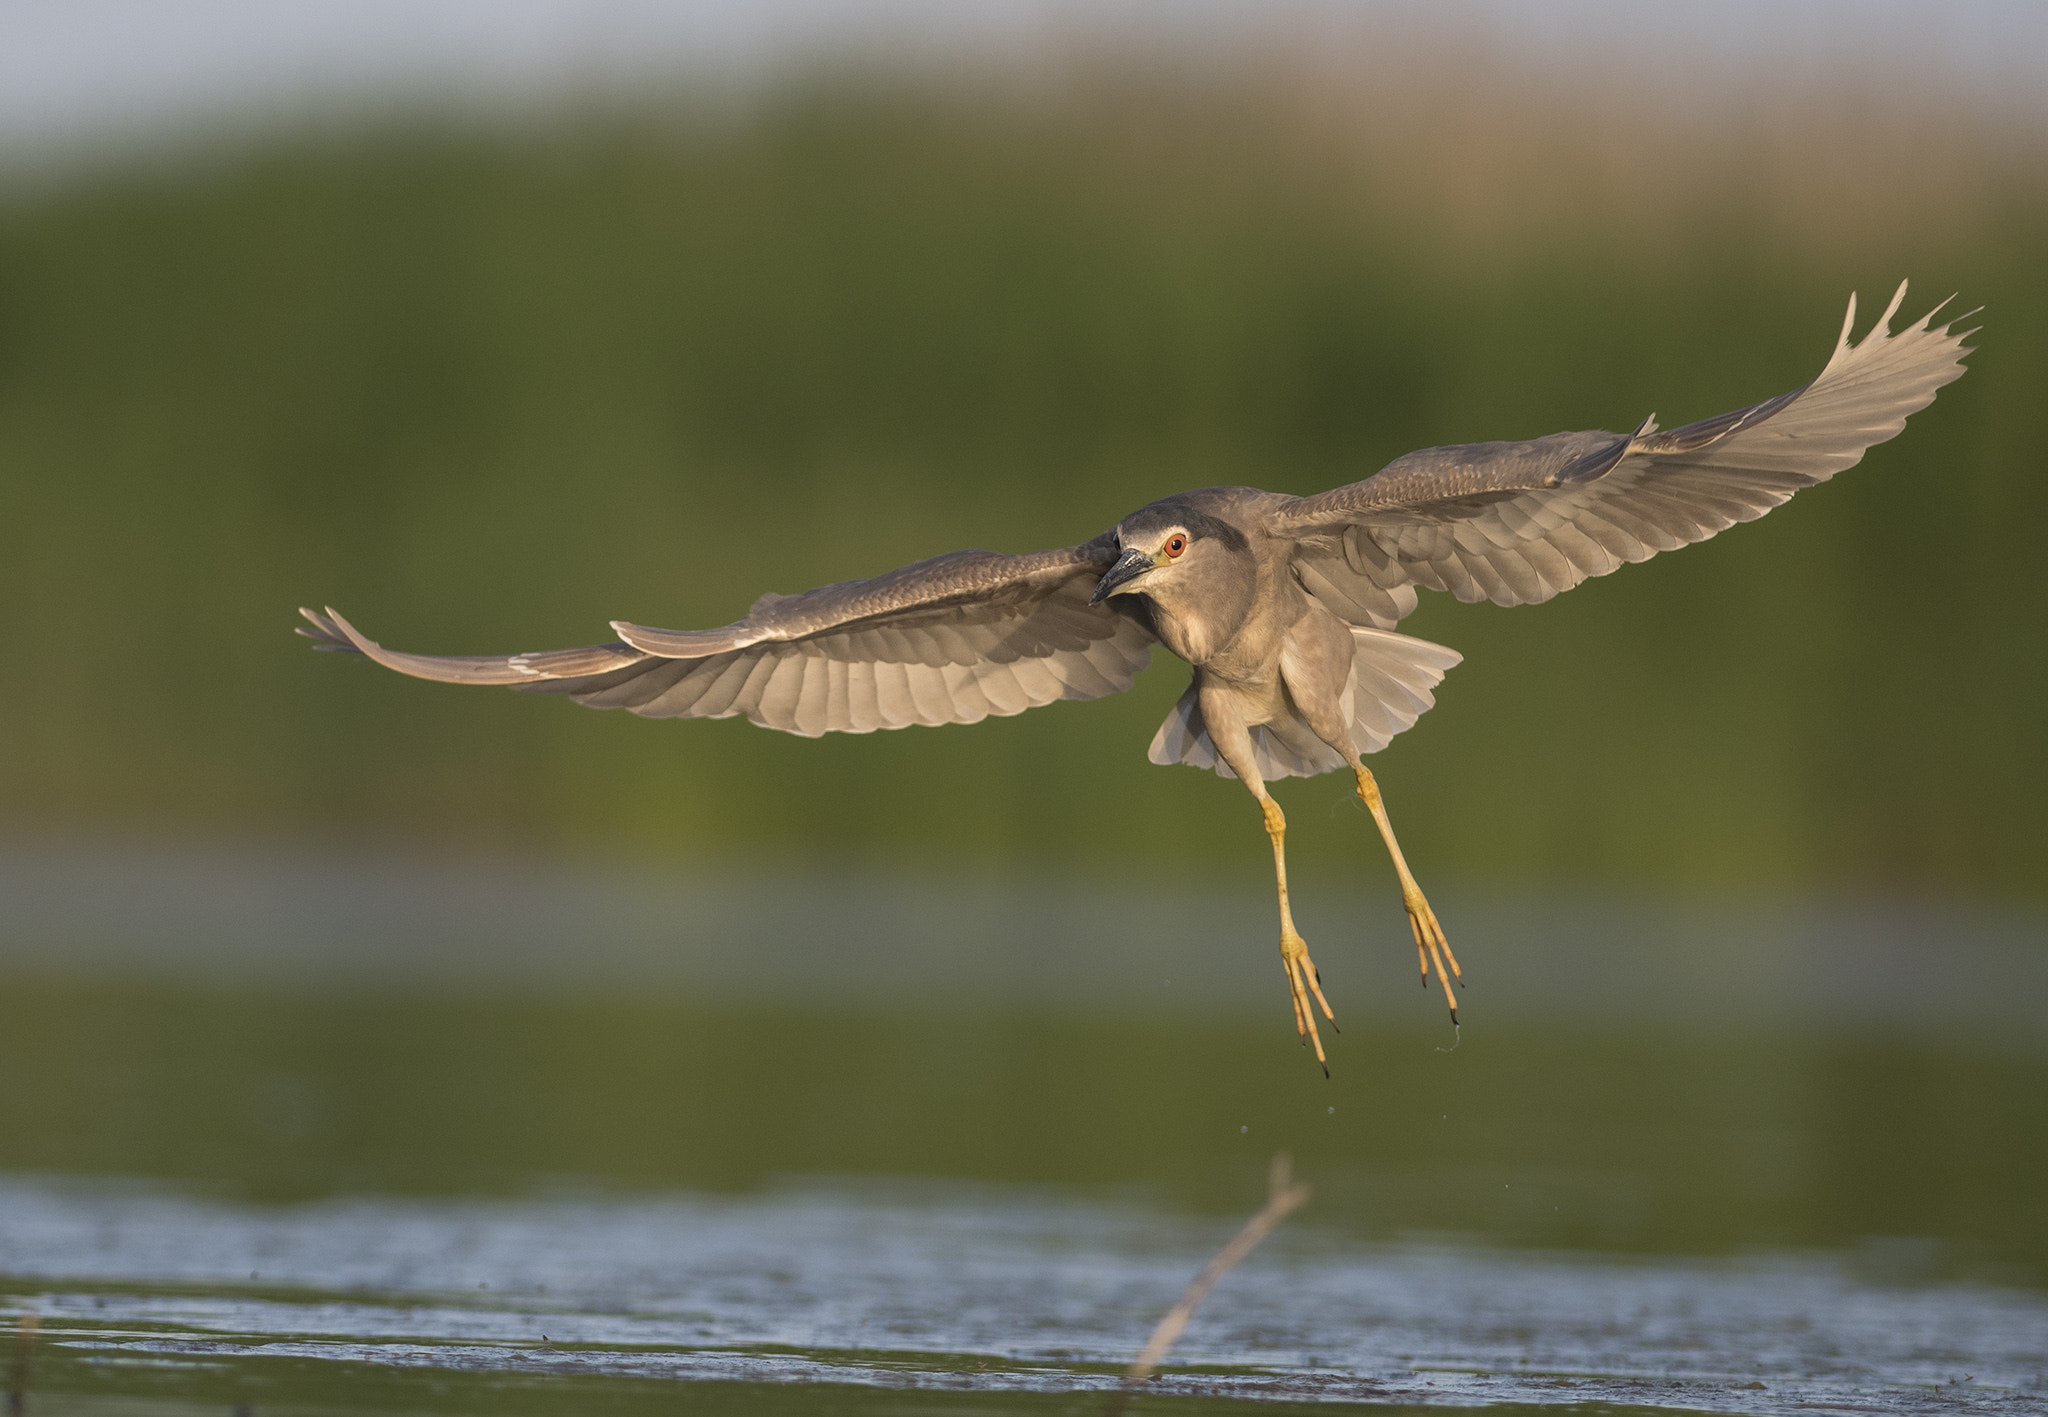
{"type": "Point", "coordinates": [486, 386]}
{"type": "Point", "coordinates": [1921, 1157]}
{"type": "Point", "coordinates": [1742, 848]}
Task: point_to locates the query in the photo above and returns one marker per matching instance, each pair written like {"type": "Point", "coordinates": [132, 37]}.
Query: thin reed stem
{"type": "Point", "coordinates": [1283, 1197]}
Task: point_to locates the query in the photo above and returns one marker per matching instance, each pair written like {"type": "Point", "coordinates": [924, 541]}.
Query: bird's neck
{"type": "Point", "coordinates": [1193, 638]}
{"type": "Point", "coordinates": [1208, 630]}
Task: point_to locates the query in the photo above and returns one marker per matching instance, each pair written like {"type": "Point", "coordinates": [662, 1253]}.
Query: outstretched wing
{"type": "Point", "coordinates": [950, 640]}
{"type": "Point", "coordinates": [1519, 522]}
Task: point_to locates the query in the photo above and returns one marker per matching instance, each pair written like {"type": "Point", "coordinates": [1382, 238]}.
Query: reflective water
{"type": "Point", "coordinates": [393, 1140]}
{"type": "Point", "coordinates": [965, 1288]}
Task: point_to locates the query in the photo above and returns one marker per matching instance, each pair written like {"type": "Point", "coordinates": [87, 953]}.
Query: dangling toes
{"type": "Point", "coordinates": [1432, 947]}
{"type": "Point", "coordinates": [1303, 979]}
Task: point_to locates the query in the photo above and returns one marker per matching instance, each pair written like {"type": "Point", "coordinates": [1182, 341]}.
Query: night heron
{"type": "Point", "coordinates": [1285, 606]}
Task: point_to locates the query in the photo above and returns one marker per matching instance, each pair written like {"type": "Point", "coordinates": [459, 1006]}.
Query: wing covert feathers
{"type": "Point", "coordinates": [1520, 522]}
{"type": "Point", "coordinates": [952, 640]}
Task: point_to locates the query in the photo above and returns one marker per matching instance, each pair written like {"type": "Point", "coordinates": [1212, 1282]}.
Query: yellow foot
{"type": "Point", "coordinates": [1430, 945]}
{"type": "Point", "coordinates": [1303, 979]}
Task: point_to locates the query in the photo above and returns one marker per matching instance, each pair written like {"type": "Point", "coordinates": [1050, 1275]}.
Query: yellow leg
{"type": "Point", "coordinates": [1430, 944]}
{"type": "Point", "coordinates": [1303, 979]}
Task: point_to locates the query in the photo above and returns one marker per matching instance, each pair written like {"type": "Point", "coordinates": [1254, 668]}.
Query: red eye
{"type": "Point", "coordinates": [1176, 544]}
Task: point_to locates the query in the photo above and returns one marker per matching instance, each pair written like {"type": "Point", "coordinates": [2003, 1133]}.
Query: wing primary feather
{"type": "Point", "coordinates": [448, 669]}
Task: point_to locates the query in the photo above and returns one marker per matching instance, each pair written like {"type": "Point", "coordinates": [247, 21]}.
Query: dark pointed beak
{"type": "Point", "coordinates": [1129, 566]}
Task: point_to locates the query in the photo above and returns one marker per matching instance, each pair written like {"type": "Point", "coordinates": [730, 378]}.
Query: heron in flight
{"type": "Point", "coordinates": [1285, 607]}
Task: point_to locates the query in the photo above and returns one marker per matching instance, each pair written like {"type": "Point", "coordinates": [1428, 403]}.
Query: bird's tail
{"type": "Point", "coordinates": [1392, 679]}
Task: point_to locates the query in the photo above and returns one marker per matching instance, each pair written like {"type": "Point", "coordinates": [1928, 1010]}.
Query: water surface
{"type": "Point", "coordinates": [993, 1291]}
{"type": "Point", "coordinates": [389, 1139]}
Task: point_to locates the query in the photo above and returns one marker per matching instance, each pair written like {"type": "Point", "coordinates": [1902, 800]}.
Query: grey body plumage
{"type": "Point", "coordinates": [1284, 606]}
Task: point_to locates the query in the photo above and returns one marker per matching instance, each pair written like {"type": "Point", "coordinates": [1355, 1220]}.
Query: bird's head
{"type": "Point", "coordinates": [1175, 554]}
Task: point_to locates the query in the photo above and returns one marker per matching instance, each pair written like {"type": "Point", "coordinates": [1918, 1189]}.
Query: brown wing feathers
{"type": "Point", "coordinates": [329, 631]}
{"type": "Point", "coordinates": [959, 637]}
{"type": "Point", "coordinates": [1520, 522]}
{"type": "Point", "coordinates": [951, 640]}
